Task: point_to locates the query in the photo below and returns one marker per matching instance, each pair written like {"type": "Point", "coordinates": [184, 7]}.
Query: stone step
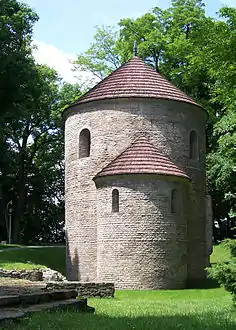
{"type": "Point", "coordinates": [85, 289]}
{"type": "Point", "coordinates": [79, 305]}
{"type": "Point", "coordinates": [37, 298]}
{"type": "Point", "coordinates": [11, 314]}
{"type": "Point", "coordinates": [9, 301]}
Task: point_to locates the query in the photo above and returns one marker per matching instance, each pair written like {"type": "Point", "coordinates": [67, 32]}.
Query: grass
{"type": "Point", "coordinates": [178, 309]}
{"type": "Point", "coordinates": [32, 258]}
{"type": "Point", "coordinates": [220, 254]}
{"type": "Point", "coordinates": [9, 246]}
{"type": "Point", "coordinates": [54, 257]}
{"type": "Point", "coordinates": [203, 309]}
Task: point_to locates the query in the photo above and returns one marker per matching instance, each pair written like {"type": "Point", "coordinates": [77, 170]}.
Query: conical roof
{"type": "Point", "coordinates": [134, 79]}
{"type": "Point", "coordinates": [142, 157]}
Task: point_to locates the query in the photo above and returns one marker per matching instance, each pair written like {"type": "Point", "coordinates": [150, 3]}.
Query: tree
{"type": "Point", "coordinates": [35, 141]}
{"type": "Point", "coordinates": [32, 165]}
{"type": "Point", "coordinates": [222, 158]}
{"type": "Point", "coordinates": [26, 132]}
{"type": "Point", "coordinates": [102, 57]}
{"type": "Point", "coordinates": [196, 53]}
{"type": "Point", "coordinates": [16, 22]}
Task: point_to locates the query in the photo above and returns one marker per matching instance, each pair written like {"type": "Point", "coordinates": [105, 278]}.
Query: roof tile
{"type": "Point", "coordinates": [142, 157]}
{"type": "Point", "coordinates": [134, 79]}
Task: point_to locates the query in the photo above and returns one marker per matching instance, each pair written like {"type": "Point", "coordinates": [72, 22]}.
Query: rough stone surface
{"type": "Point", "coordinates": [10, 286]}
{"type": "Point", "coordinates": [144, 245]}
{"type": "Point", "coordinates": [45, 274]}
{"type": "Point", "coordinates": [52, 275]}
{"type": "Point", "coordinates": [33, 304]}
{"type": "Point", "coordinates": [102, 290]}
{"type": "Point", "coordinates": [150, 252]}
{"type": "Point", "coordinates": [31, 275]}
{"type": "Point", "coordinates": [9, 300]}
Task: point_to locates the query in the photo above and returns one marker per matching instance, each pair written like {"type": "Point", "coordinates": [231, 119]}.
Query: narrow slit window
{"type": "Point", "coordinates": [115, 200]}
{"type": "Point", "coordinates": [174, 201]}
{"type": "Point", "coordinates": [84, 143]}
{"type": "Point", "coordinates": [193, 145]}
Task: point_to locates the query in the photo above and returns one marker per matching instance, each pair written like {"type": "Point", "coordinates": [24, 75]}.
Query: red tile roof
{"type": "Point", "coordinates": [134, 79]}
{"type": "Point", "coordinates": [142, 157]}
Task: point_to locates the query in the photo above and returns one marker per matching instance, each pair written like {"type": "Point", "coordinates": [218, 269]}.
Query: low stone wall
{"type": "Point", "coordinates": [30, 275]}
{"type": "Point", "coordinates": [86, 289]}
{"type": "Point", "coordinates": [46, 274]}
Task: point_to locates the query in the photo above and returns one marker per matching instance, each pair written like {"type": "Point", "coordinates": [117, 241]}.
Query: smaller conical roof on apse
{"type": "Point", "coordinates": [142, 157]}
{"type": "Point", "coordinates": [134, 79]}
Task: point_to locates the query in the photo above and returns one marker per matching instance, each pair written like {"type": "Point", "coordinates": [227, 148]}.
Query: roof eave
{"type": "Point", "coordinates": [98, 176]}
{"type": "Point", "coordinates": [129, 97]}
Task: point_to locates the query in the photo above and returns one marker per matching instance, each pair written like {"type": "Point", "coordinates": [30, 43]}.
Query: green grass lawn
{"type": "Point", "coordinates": [219, 254]}
{"type": "Point", "coordinates": [178, 309]}
{"type": "Point", "coordinates": [201, 309]}
{"type": "Point", "coordinates": [54, 257]}
{"type": "Point", "coordinates": [9, 246]}
{"type": "Point", "coordinates": [31, 258]}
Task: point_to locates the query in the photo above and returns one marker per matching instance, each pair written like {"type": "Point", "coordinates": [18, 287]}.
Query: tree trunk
{"type": "Point", "coordinates": [21, 191]}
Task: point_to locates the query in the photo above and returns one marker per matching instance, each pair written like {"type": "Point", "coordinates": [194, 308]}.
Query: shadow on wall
{"type": "Point", "coordinates": [72, 264]}
{"type": "Point", "coordinates": [75, 266]}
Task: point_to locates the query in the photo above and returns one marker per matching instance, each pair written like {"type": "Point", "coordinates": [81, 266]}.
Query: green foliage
{"type": "Point", "coordinates": [16, 22]}
{"type": "Point", "coordinates": [225, 272]}
{"type": "Point", "coordinates": [196, 53]}
{"type": "Point", "coordinates": [31, 142]}
{"type": "Point", "coordinates": [102, 57]}
{"type": "Point", "coordinates": [230, 245]}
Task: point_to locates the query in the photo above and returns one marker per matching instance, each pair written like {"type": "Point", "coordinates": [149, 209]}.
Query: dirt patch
{"type": "Point", "coordinates": [9, 286]}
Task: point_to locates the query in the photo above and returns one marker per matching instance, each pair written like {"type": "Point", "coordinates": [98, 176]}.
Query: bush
{"type": "Point", "coordinates": [225, 272]}
{"type": "Point", "coordinates": [230, 244]}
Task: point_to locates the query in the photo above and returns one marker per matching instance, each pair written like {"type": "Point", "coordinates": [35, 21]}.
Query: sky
{"type": "Point", "coordinates": [66, 28]}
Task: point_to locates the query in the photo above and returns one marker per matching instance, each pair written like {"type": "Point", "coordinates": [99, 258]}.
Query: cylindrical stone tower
{"type": "Point", "coordinates": [131, 105]}
{"type": "Point", "coordinates": [142, 214]}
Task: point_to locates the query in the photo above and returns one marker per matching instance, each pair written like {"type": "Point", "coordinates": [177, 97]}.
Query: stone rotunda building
{"type": "Point", "coordinates": [135, 183]}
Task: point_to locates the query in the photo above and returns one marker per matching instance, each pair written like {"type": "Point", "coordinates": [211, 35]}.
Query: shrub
{"type": "Point", "coordinates": [230, 244]}
{"type": "Point", "coordinates": [225, 272]}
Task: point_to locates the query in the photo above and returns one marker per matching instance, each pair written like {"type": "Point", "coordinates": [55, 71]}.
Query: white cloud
{"type": "Point", "coordinates": [60, 61]}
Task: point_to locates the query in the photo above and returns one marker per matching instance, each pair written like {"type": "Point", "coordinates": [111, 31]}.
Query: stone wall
{"type": "Point", "coordinates": [114, 125]}
{"type": "Point", "coordinates": [144, 245]}
{"type": "Point", "coordinates": [45, 274]}
{"type": "Point", "coordinates": [102, 290]}
{"type": "Point", "coordinates": [31, 275]}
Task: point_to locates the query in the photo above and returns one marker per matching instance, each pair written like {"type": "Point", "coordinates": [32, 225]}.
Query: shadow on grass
{"type": "Point", "coordinates": [206, 284]}
{"type": "Point", "coordinates": [73, 320]}
{"type": "Point", "coordinates": [52, 257]}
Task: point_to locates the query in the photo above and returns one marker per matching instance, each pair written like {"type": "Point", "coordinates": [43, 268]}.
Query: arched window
{"type": "Point", "coordinates": [115, 200]}
{"type": "Point", "coordinates": [193, 145]}
{"type": "Point", "coordinates": [84, 143]}
{"type": "Point", "coordinates": [174, 201]}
